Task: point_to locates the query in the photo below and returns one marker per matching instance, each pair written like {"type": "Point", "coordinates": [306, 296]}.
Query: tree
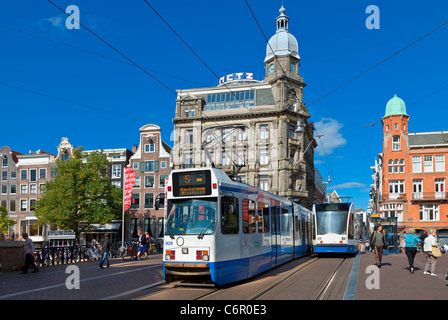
{"type": "Point", "coordinates": [5, 222]}
{"type": "Point", "coordinates": [80, 194]}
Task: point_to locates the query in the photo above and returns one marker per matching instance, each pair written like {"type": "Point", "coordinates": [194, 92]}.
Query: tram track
{"type": "Point", "coordinates": [260, 288]}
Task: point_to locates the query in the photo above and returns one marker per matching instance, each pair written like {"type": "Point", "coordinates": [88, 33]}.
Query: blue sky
{"type": "Point", "coordinates": [56, 82]}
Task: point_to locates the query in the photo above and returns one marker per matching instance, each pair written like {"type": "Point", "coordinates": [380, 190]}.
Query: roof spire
{"type": "Point", "coordinates": [282, 20]}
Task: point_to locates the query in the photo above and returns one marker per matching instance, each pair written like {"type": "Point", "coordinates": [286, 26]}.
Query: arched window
{"type": "Point", "coordinates": [396, 143]}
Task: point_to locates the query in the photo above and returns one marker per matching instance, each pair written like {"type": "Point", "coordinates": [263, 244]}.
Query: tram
{"type": "Point", "coordinates": [337, 228]}
{"type": "Point", "coordinates": [219, 231]}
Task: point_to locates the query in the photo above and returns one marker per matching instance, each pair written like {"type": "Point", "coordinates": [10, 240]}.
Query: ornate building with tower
{"type": "Point", "coordinates": [413, 174]}
{"type": "Point", "coordinates": [257, 131]}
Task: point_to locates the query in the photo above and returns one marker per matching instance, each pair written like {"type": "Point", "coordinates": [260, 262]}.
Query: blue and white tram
{"type": "Point", "coordinates": [337, 228]}
{"type": "Point", "coordinates": [221, 231]}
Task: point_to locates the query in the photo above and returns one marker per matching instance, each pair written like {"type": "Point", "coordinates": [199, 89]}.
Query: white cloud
{"type": "Point", "coordinates": [349, 185]}
{"type": "Point", "coordinates": [331, 138]}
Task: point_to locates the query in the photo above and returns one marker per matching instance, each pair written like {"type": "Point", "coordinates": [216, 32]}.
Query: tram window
{"type": "Point", "coordinates": [248, 216]}
{"type": "Point", "coordinates": [263, 217]}
{"type": "Point", "coordinates": [230, 215]}
{"type": "Point", "coordinates": [285, 220]}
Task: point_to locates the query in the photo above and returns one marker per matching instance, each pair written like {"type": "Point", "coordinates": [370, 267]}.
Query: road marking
{"type": "Point", "coordinates": [155, 284]}
{"type": "Point", "coordinates": [63, 284]}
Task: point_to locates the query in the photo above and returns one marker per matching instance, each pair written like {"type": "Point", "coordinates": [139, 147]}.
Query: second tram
{"type": "Point", "coordinates": [337, 228]}
{"type": "Point", "coordinates": [220, 231]}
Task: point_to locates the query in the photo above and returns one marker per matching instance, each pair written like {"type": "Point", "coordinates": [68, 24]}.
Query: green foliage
{"type": "Point", "coordinates": [80, 194]}
{"type": "Point", "coordinates": [5, 222]}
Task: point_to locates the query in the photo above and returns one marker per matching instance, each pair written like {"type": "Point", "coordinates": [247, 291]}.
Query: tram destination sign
{"type": "Point", "coordinates": [192, 183]}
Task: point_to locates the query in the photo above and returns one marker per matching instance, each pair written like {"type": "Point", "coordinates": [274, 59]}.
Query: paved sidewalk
{"type": "Point", "coordinates": [397, 283]}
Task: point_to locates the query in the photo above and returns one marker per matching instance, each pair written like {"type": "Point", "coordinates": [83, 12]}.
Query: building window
{"type": "Point", "coordinates": [4, 189]}
{"type": "Point", "coordinates": [33, 175]}
{"type": "Point", "coordinates": [226, 134]}
{"type": "Point", "coordinates": [116, 171]}
{"type": "Point", "coordinates": [149, 200]}
{"type": "Point", "coordinates": [149, 166]}
{"type": "Point", "coordinates": [23, 174]}
{"type": "Point", "coordinates": [264, 183]}
{"type": "Point", "coordinates": [401, 165]}
{"type": "Point", "coordinates": [13, 175]}
{"type": "Point", "coordinates": [135, 201]}
{"type": "Point", "coordinates": [264, 132]}
{"type": "Point", "coordinates": [417, 189]}
{"type": "Point", "coordinates": [241, 157]}
{"type": "Point", "coordinates": [23, 189]}
{"type": "Point", "coordinates": [137, 182]}
{"type": "Point", "coordinates": [189, 136]}
{"type": "Point", "coordinates": [396, 143]}
{"type": "Point", "coordinates": [440, 163]}
{"type": "Point", "coordinates": [4, 162]}
{"type": "Point", "coordinates": [416, 164]}
{"type": "Point", "coordinates": [4, 175]}
{"type": "Point", "coordinates": [43, 173]}
{"type": "Point", "coordinates": [429, 212]}
{"type": "Point", "coordinates": [188, 160]}
{"type": "Point", "coordinates": [23, 205]}
{"type": "Point", "coordinates": [225, 159]}
{"type": "Point", "coordinates": [264, 156]}
{"type": "Point", "coordinates": [211, 154]}
{"type": "Point", "coordinates": [440, 188]}
{"type": "Point", "coordinates": [396, 186]}
{"type": "Point", "coordinates": [427, 164]}
{"type": "Point", "coordinates": [162, 179]}
{"type": "Point", "coordinates": [396, 126]}
{"type": "Point", "coordinates": [33, 188]}
{"type": "Point", "coordinates": [150, 147]}
{"type": "Point", "coordinates": [13, 189]}
{"type": "Point", "coordinates": [149, 181]}
{"type": "Point", "coordinates": [242, 134]}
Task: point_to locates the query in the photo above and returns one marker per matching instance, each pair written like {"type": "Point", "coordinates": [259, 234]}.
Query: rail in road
{"type": "Point", "coordinates": [85, 281]}
{"type": "Point", "coordinates": [307, 278]}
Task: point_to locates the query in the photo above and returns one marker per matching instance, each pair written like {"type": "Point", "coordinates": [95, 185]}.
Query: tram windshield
{"type": "Point", "coordinates": [331, 222]}
{"type": "Point", "coordinates": [194, 216]}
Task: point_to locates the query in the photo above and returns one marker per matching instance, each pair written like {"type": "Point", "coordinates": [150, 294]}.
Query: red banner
{"type": "Point", "coordinates": [129, 181]}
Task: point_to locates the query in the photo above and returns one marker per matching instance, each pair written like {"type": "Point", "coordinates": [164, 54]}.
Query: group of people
{"type": "Point", "coordinates": [409, 241]}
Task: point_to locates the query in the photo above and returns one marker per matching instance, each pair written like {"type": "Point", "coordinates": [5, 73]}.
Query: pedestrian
{"type": "Point", "coordinates": [377, 243]}
{"type": "Point", "coordinates": [423, 236]}
{"type": "Point", "coordinates": [430, 242]}
{"type": "Point", "coordinates": [147, 243]}
{"type": "Point", "coordinates": [141, 244]}
{"type": "Point", "coordinates": [411, 240]}
{"type": "Point", "coordinates": [28, 248]}
{"type": "Point", "coordinates": [105, 248]}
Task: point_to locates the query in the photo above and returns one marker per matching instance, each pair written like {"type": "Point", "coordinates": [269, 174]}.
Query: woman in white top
{"type": "Point", "coordinates": [430, 242]}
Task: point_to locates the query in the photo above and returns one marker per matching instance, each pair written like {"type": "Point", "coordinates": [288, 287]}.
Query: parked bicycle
{"type": "Point", "coordinates": [130, 252]}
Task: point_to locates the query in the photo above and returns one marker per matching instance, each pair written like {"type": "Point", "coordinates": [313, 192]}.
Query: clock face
{"type": "Point", "coordinates": [271, 68]}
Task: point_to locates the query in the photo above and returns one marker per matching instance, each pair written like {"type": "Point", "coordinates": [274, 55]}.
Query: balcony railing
{"type": "Point", "coordinates": [434, 196]}
{"type": "Point", "coordinates": [394, 196]}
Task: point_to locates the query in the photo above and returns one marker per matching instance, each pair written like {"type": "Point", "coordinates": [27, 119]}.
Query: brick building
{"type": "Point", "coordinates": [414, 173]}
{"type": "Point", "coordinates": [152, 165]}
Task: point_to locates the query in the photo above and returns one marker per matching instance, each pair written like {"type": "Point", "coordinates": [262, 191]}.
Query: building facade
{"type": "Point", "coordinates": [9, 184]}
{"type": "Point", "coordinates": [152, 165]}
{"type": "Point", "coordinates": [257, 131]}
{"type": "Point", "coordinates": [414, 173]}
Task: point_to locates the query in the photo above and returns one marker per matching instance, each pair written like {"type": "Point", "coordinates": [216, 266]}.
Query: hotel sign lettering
{"type": "Point", "coordinates": [236, 76]}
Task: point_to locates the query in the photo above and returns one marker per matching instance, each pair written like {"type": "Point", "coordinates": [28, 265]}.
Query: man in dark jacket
{"type": "Point", "coordinates": [105, 248]}
{"type": "Point", "coordinates": [377, 242]}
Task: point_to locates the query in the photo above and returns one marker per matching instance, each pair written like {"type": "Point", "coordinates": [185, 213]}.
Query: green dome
{"type": "Point", "coordinates": [395, 106]}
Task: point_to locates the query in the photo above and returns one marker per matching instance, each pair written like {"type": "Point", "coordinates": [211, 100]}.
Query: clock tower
{"type": "Point", "coordinates": [282, 63]}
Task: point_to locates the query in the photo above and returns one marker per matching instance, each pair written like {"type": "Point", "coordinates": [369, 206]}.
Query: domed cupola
{"type": "Point", "coordinates": [282, 43]}
{"type": "Point", "coordinates": [395, 106]}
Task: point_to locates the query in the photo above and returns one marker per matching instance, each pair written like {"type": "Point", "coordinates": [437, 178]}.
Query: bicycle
{"type": "Point", "coordinates": [130, 253]}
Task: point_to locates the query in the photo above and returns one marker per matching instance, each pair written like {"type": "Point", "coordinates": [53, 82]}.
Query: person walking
{"type": "Point", "coordinates": [141, 244]}
{"type": "Point", "coordinates": [377, 243]}
{"type": "Point", "coordinates": [28, 248]}
{"type": "Point", "coordinates": [105, 248]}
{"type": "Point", "coordinates": [430, 242]}
{"type": "Point", "coordinates": [411, 240]}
